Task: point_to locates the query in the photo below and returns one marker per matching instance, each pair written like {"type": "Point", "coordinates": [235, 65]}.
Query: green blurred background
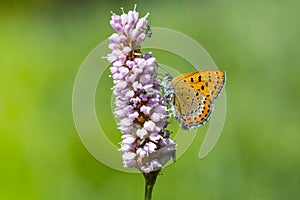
{"type": "Point", "coordinates": [43, 43]}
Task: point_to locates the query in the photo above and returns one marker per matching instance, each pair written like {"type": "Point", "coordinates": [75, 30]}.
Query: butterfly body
{"type": "Point", "coordinates": [191, 95]}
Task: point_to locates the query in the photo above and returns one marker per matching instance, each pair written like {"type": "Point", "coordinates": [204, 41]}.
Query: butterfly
{"type": "Point", "coordinates": [191, 95]}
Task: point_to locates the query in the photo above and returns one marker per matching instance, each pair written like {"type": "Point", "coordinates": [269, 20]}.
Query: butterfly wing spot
{"type": "Point", "coordinates": [199, 78]}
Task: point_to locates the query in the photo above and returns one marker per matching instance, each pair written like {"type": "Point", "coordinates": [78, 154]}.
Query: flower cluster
{"type": "Point", "coordinates": [139, 107]}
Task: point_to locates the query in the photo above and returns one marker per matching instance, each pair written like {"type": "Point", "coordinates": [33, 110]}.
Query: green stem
{"type": "Point", "coordinates": [150, 179]}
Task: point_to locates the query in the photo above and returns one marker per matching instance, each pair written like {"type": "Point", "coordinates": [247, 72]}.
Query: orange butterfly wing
{"type": "Point", "coordinates": [193, 94]}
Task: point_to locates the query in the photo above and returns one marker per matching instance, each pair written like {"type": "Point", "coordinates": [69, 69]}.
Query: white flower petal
{"type": "Point", "coordinates": [149, 125]}
{"type": "Point", "coordinates": [141, 133]}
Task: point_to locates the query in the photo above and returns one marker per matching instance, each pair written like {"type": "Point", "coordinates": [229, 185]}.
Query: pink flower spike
{"type": "Point", "coordinates": [140, 109]}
